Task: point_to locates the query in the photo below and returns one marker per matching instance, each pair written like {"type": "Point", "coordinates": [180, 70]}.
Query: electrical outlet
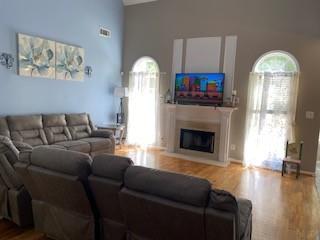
{"type": "Point", "coordinates": [309, 115]}
{"type": "Point", "coordinates": [233, 147]}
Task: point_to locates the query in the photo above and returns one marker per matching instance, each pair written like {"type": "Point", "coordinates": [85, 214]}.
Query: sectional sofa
{"type": "Point", "coordinates": [19, 135]}
{"type": "Point", "coordinates": [106, 197]}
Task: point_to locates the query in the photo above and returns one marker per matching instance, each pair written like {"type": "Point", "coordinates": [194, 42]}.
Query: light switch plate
{"type": "Point", "coordinates": [309, 115]}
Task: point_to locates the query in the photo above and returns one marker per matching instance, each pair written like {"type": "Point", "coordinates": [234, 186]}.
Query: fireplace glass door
{"type": "Point", "coordinates": [197, 140]}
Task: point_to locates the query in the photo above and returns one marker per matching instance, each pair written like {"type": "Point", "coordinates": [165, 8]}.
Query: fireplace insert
{"type": "Point", "coordinates": [197, 140]}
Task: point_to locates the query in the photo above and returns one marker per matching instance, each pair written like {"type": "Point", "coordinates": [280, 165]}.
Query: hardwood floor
{"type": "Point", "coordinates": [283, 207]}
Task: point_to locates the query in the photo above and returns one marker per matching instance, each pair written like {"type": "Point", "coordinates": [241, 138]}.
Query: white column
{"type": "Point", "coordinates": [225, 124]}
{"type": "Point", "coordinates": [171, 128]}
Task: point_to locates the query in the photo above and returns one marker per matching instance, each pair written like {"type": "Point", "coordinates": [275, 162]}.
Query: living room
{"type": "Point", "coordinates": [159, 119]}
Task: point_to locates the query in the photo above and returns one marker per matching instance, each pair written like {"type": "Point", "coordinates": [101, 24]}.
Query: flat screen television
{"type": "Point", "coordinates": [199, 88]}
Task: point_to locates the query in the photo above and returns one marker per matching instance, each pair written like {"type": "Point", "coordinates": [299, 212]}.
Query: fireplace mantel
{"type": "Point", "coordinates": [202, 115]}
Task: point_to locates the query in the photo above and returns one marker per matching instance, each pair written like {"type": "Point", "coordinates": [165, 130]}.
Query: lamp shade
{"type": "Point", "coordinates": [121, 92]}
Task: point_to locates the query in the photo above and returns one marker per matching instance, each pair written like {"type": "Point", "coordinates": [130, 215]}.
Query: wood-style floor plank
{"type": "Point", "coordinates": [283, 208]}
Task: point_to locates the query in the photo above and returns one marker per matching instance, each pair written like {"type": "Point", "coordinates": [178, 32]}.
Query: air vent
{"type": "Point", "coordinates": [105, 33]}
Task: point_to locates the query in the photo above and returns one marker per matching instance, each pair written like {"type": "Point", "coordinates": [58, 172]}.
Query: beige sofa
{"type": "Point", "coordinates": [19, 135]}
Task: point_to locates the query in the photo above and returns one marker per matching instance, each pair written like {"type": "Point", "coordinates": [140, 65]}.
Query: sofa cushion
{"type": "Point", "coordinates": [55, 128]}
{"type": "Point", "coordinates": [78, 146]}
{"type": "Point", "coordinates": [102, 133]}
{"type": "Point", "coordinates": [4, 129]}
{"type": "Point", "coordinates": [79, 125]}
{"type": "Point", "coordinates": [28, 129]}
{"type": "Point", "coordinates": [98, 144]}
{"type": "Point", "coordinates": [63, 161]}
{"type": "Point", "coordinates": [172, 186]}
{"type": "Point", "coordinates": [110, 166]}
{"type": "Point", "coordinates": [245, 210]}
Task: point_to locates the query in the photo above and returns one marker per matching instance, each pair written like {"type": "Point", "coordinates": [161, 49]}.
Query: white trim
{"type": "Point", "coordinates": [229, 64]}
{"type": "Point", "coordinates": [313, 174]}
{"type": "Point", "coordinates": [233, 160]}
{"type": "Point", "coordinates": [274, 52]}
{"type": "Point", "coordinates": [216, 163]}
{"type": "Point", "coordinates": [134, 2]}
{"type": "Point", "coordinates": [177, 60]}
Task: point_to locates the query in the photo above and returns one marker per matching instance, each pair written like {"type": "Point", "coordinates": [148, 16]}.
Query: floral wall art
{"type": "Point", "coordinates": [44, 58]}
{"type": "Point", "coordinates": [36, 57]}
{"type": "Point", "coordinates": [69, 62]}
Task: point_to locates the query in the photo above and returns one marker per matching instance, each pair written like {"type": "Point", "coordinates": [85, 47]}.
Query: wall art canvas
{"type": "Point", "coordinates": [69, 62]}
{"type": "Point", "coordinates": [36, 57]}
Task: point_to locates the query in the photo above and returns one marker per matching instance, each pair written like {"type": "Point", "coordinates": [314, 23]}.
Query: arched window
{"type": "Point", "coordinates": [271, 108]}
{"type": "Point", "coordinates": [144, 101]}
{"type": "Point", "coordinates": [276, 61]}
{"type": "Point", "coordinates": [146, 65]}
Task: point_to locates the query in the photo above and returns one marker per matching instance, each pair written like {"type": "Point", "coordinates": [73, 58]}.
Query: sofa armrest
{"type": "Point", "coordinates": [25, 151]}
{"type": "Point", "coordinates": [8, 174]}
{"type": "Point", "coordinates": [224, 205]}
{"type": "Point", "coordinates": [21, 146]}
{"type": "Point", "coordinates": [7, 147]}
{"type": "Point", "coordinates": [221, 225]}
{"type": "Point", "coordinates": [102, 133]}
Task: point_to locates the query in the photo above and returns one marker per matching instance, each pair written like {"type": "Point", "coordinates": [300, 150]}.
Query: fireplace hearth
{"type": "Point", "coordinates": [209, 140]}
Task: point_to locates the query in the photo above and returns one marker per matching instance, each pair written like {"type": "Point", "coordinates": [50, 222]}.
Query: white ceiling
{"type": "Point", "coordinates": [133, 2]}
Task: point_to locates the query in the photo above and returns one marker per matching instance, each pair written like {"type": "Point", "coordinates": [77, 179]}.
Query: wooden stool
{"type": "Point", "coordinates": [292, 148]}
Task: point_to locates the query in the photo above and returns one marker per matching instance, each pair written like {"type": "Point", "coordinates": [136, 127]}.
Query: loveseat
{"type": "Point", "coordinates": [19, 135]}
{"type": "Point", "coordinates": [107, 197]}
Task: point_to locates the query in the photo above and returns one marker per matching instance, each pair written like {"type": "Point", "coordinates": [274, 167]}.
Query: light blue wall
{"type": "Point", "coordinates": [70, 21]}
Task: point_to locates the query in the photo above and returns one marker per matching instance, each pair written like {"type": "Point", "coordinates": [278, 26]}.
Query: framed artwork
{"type": "Point", "coordinates": [36, 57]}
{"type": "Point", "coordinates": [69, 62]}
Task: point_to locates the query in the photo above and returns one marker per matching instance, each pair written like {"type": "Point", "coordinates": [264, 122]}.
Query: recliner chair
{"type": "Point", "coordinates": [164, 205]}
{"type": "Point", "coordinates": [161, 205]}
{"type": "Point", "coordinates": [106, 182]}
{"type": "Point", "coordinates": [63, 206]}
{"type": "Point", "coordinates": [15, 201]}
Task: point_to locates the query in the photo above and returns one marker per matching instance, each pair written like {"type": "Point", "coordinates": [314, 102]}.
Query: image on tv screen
{"type": "Point", "coordinates": [200, 88]}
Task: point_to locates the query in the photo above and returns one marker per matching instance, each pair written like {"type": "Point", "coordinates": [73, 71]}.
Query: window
{"type": "Point", "coordinates": [271, 109]}
{"type": "Point", "coordinates": [276, 61]}
{"type": "Point", "coordinates": [145, 65]}
{"type": "Point", "coordinates": [143, 118]}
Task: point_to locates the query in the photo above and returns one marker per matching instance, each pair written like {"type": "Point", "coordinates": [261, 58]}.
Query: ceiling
{"type": "Point", "coordinates": [134, 2]}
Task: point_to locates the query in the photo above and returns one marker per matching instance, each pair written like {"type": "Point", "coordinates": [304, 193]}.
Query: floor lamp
{"type": "Point", "coordinates": [121, 92]}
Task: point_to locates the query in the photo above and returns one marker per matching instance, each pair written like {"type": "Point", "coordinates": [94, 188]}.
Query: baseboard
{"type": "Point", "coordinates": [237, 161]}
{"type": "Point", "coordinates": [195, 159]}
{"type": "Point", "coordinates": [233, 160]}
{"type": "Point", "coordinates": [313, 174]}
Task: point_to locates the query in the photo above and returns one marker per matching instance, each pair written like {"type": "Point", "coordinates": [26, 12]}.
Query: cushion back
{"type": "Point", "coordinates": [106, 182]}
{"type": "Point", "coordinates": [28, 129]}
{"type": "Point", "coordinates": [65, 202]}
{"type": "Point", "coordinates": [55, 128]}
{"type": "Point", "coordinates": [79, 125]}
{"type": "Point", "coordinates": [163, 205]}
{"type": "Point", "coordinates": [4, 129]}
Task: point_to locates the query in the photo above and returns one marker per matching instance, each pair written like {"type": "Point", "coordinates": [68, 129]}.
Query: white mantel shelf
{"type": "Point", "coordinates": [200, 114]}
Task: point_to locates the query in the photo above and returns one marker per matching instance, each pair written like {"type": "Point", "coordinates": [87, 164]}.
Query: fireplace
{"type": "Point", "coordinates": [195, 140]}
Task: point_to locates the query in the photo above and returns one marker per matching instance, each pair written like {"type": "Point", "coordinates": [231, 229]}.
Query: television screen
{"type": "Point", "coordinates": [199, 88]}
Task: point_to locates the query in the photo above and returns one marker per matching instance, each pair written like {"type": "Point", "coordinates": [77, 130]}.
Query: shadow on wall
{"type": "Point", "coordinates": [318, 156]}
